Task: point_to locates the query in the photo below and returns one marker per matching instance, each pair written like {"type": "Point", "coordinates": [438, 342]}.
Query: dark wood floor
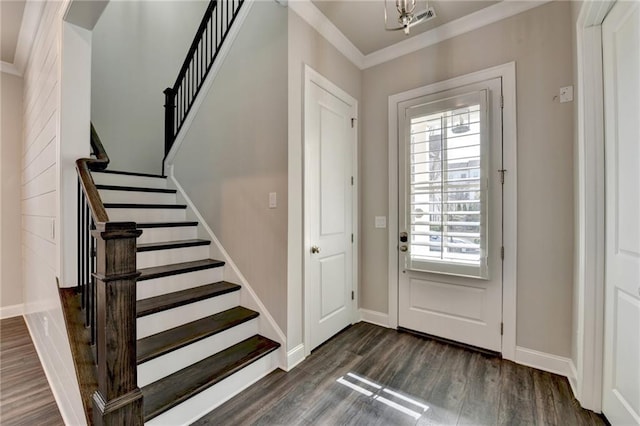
{"type": "Point", "coordinates": [25, 396]}
{"type": "Point", "coordinates": [369, 375]}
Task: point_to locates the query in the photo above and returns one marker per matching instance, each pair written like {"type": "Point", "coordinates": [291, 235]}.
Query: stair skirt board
{"type": "Point", "coordinates": [145, 214]}
{"type": "Point", "coordinates": [115, 196]}
{"type": "Point", "coordinates": [150, 259]}
{"type": "Point", "coordinates": [170, 318]}
{"type": "Point", "coordinates": [127, 180]}
{"type": "Point", "coordinates": [157, 235]}
{"type": "Point", "coordinates": [206, 401]}
{"type": "Point", "coordinates": [172, 283]}
{"type": "Point", "coordinates": [169, 363]}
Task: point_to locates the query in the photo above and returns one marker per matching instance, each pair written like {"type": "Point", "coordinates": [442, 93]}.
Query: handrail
{"type": "Point", "coordinates": [211, 34]}
{"type": "Point", "coordinates": [107, 277]}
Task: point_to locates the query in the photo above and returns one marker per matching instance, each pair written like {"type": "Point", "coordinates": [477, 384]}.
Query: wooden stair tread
{"type": "Point", "coordinates": [143, 206]}
{"type": "Point", "coordinates": [166, 245]}
{"type": "Point", "coordinates": [135, 189]}
{"type": "Point", "coordinates": [178, 268]}
{"type": "Point", "coordinates": [121, 172]}
{"type": "Point", "coordinates": [165, 224]}
{"type": "Point", "coordinates": [170, 391]}
{"type": "Point", "coordinates": [179, 298]}
{"type": "Point", "coordinates": [166, 341]}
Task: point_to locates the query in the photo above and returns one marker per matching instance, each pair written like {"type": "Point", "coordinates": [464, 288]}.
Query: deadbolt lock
{"type": "Point", "coordinates": [404, 237]}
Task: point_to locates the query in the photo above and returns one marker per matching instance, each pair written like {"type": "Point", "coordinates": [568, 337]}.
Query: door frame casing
{"type": "Point", "coordinates": [509, 133]}
{"type": "Point", "coordinates": [311, 76]}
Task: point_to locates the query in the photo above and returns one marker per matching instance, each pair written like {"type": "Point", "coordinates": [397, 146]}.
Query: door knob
{"type": "Point", "coordinates": [315, 249]}
{"type": "Point", "coordinates": [404, 248]}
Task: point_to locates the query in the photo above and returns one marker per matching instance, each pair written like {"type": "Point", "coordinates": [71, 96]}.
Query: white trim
{"type": "Point", "coordinates": [8, 68]}
{"type": "Point", "coordinates": [248, 297]}
{"type": "Point", "coordinates": [573, 377]}
{"type": "Point", "coordinates": [208, 82]}
{"type": "Point", "coordinates": [374, 317]}
{"type": "Point", "coordinates": [543, 361]}
{"type": "Point", "coordinates": [589, 216]}
{"type": "Point", "coordinates": [11, 311]}
{"type": "Point", "coordinates": [467, 23]}
{"type": "Point", "coordinates": [311, 75]}
{"type": "Point", "coordinates": [509, 298]}
{"type": "Point", "coordinates": [314, 17]}
{"type": "Point", "coordinates": [295, 356]}
{"type": "Point", "coordinates": [27, 35]}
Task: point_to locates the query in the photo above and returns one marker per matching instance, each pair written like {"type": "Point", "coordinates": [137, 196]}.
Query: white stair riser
{"type": "Point", "coordinates": [128, 180]}
{"type": "Point", "coordinates": [111, 196]}
{"type": "Point", "coordinates": [148, 259]}
{"type": "Point", "coordinates": [161, 321]}
{"type": "Point", "coordinates": [158, 235]}
{"type": "Point", "coordinates": [146, 215]}
{"type": "Point", "coordinates": [158, 286]}
{"type": "Point", "coordinates": [207, 400]}
{"type": "Point", "coordinates": [167, 364]}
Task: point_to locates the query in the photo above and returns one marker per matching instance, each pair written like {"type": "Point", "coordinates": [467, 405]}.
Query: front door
{"type": "Point", "coordinates": [450, 215]}
{"type": "Point", "coordinates": [621, 47]}
{"type": "Point", "coordinates": [330, 142]}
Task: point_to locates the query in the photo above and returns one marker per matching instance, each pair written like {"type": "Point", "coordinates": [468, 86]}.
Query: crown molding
{"type": "Point", "coordinates": [28, 30]}
{"type": "Point", "coordinates": [8, 68]}
{"type": "Point", "coordinates": [314, 17]}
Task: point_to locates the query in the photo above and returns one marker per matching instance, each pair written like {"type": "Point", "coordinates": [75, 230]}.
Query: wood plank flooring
{"type": "Point", "coordinates": [387, 378]}
{"type": "Point", "coordinates": [25, 396]}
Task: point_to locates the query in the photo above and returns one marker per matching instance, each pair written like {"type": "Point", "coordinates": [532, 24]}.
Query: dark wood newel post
{"type": "Point", "coordinates": [118, 400]}
{"type": "Point", "coordinates": [169, 117]}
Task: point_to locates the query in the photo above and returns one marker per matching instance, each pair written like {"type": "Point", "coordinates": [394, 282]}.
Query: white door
{"type": "Point", "coordinates": [330, 142]}
{"type": "Point", "coordinates": [450, 215]}
{"type": "Point", "coordinates": [621, 47]}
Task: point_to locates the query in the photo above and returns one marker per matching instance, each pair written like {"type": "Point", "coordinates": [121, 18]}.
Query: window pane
{"type": "Point", "coordinates": [445, 187]}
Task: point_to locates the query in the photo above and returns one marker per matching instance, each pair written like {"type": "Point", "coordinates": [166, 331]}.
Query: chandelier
{"type": "Point", "coordinates": [407, 18]}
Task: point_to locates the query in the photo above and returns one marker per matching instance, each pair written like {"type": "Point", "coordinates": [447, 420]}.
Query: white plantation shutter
{"type": "Point", "coordinates": [447, 187]}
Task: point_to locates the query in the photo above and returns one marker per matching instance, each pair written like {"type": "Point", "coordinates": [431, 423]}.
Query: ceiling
{"type": "Point", "coordinates": [11, 19]}
{"type": "Point", "coordinates": [362, 21]}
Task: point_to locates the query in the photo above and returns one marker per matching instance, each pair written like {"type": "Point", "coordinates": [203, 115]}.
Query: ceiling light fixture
{"type": "Point", "coordinates": [407, 18]}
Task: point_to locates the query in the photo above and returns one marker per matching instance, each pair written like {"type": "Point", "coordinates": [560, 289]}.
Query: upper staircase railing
{"type": "Point", "coordinates": [212, 32]}
{"type": "Point", "coordinates": [107, 276]}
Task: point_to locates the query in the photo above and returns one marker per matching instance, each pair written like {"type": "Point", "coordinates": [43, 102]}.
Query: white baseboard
{"type": "Point", "coordinates": [543, 361]}
{"type": "Point", "coordinates": [11, 311]}
{"type": "Point", "coordinates": [373, 317]}
{"type": "Point", "coordinates": [295, 356]}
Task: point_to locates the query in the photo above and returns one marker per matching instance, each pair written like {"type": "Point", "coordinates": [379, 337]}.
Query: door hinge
{"type": "Point", "coordinates": [353, 123]}
{"type": "Point", "coordinates": [502, 172]}
{"type": "Point", "coordinates": [353, 296]}
{"type": "Point", "coordinates": [502, 329]}
{"type": "Point", "coordinates": [501, 101]}
{"type": "Point", "coordinates": [352, 238]}
{"type": "Point", "coordinates": [502, 252]}
{"type": "Point", "coordinates": [351, 180]}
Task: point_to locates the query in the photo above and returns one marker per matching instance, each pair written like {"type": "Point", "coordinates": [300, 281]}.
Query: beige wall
{"type": "Point", "coordinates": [10, 160]}
{"type": "Point", "coordinates": [539, 41]}
{"type": "Point", "coordinates": [137, 50]}
{"type": "Point", "coordinates": [235, 154]}
{"type": "Point", "coordinates": [306, 46]}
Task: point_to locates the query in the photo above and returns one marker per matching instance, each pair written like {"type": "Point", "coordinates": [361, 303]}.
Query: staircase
{"type": "Point", "coordinates": [196, 346]}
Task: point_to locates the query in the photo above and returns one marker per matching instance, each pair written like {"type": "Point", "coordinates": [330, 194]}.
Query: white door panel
{"type": "Point", "coordinates": [621, 47]}
{"type": "Point", "coordinates": [450, 207]}
{"type": "Point", "coordinates": [329, 150]}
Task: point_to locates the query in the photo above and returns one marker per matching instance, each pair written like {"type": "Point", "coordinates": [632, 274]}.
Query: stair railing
{"type": "Point", "coordinates": [107, 282]}
{"type": "Point", "coordinates": [212, 32]}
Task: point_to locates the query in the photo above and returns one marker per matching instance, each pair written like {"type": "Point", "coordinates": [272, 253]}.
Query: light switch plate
{"type": "Point", "coordinates": [381, 222]}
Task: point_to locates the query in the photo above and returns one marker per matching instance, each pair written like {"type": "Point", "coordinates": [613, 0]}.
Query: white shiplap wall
{"type": "Point", "coordinates": [40, 197]}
